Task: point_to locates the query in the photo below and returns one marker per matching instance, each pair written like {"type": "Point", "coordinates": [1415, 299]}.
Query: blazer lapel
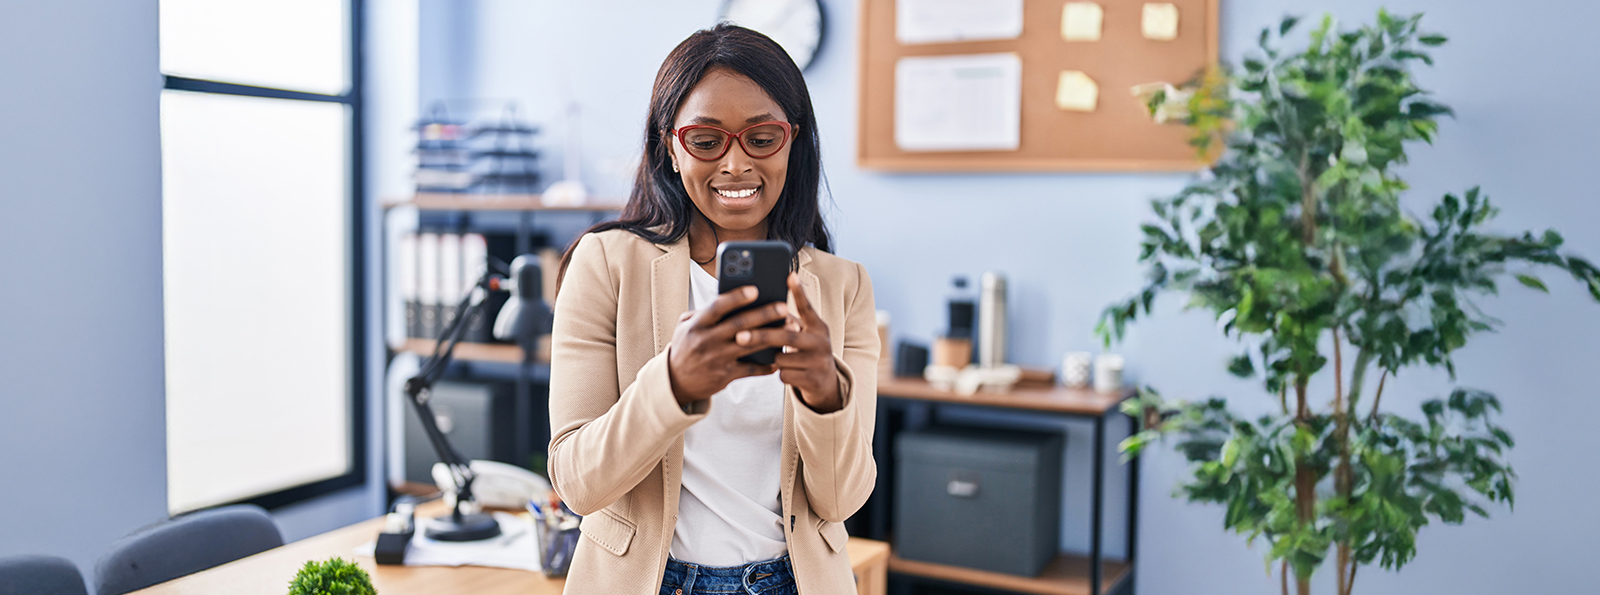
{"type": "Point", "coordinates": [669, 289]}
{"type": "Point", "coordinates": [791, 449]}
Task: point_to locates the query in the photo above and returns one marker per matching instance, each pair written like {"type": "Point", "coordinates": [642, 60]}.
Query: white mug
{"type": "Point", "coordinates": [1108, 373]}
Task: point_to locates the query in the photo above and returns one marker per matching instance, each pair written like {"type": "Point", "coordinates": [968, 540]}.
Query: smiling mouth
{"type": "Point", "coordinates": [746, 193]}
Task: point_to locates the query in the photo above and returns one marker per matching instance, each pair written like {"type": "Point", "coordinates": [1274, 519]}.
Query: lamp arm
{"type": "Point", "coordinates": [418, 387]}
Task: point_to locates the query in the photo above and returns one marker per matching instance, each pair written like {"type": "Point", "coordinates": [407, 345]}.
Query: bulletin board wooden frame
{"type": "Point", "coordinates": [1118, 136]}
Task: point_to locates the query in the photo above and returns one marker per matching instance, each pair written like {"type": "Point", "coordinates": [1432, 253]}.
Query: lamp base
{"type": "Point", "coordinates": [472, 527]}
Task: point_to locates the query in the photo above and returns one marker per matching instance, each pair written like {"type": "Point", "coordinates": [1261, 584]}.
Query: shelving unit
{"type": "Point", "coordinates": [1067, 574]}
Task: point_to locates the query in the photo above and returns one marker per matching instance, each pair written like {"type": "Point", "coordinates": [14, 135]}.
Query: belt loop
{"type": "Point", "coordinates": [745, 580]}
{"type": "Point", "coordinates": [688, 583]}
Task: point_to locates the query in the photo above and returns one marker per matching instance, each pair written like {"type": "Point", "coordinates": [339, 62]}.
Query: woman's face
{"type": "Point", "coordinates": [735, 191]}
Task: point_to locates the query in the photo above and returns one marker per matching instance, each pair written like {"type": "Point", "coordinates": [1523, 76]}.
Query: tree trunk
{"type": "Point", "coordinates": [1305, 481]}
{"type": "Point", "coordinates": [1342, 476]}
{"type": "Point", "coordinates": [1283, 576]}
{"type": "Point", "coordinates": [1308, 200]}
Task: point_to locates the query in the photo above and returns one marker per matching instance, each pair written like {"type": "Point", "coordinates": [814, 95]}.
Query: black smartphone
{"type": "Point", "coordinates": [764, 264]}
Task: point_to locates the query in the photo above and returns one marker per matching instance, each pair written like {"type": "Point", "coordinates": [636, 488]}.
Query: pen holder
{"type": "Point", "coordinates": [557, 532]}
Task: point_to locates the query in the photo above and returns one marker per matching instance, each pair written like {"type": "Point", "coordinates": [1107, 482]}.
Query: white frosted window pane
{"type": "Point", "coordinates": [255, 232]}
{"type": "Point", "coordinates": [300, 45]}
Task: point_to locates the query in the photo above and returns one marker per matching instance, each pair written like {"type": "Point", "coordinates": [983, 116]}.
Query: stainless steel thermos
{"type": "Point", "coordinates": [992, 320]}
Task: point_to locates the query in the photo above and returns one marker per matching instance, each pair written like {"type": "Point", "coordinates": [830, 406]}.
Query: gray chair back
{"type": "Point", "coordinates": [185, 545]}
{"type": "Point", "coordinates": [40, 575]}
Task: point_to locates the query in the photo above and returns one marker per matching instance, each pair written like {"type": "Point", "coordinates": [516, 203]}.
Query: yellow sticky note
{"type": "Point", "coordinates": [1160, 21]}
{"type": "Point", "coordinates": [1080, 21]}
{"type": "Point", "coordinates": [1076, 92]}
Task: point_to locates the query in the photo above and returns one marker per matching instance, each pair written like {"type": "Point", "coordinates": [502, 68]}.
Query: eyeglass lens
{"type": "Point", "coordinates": [710, 143]}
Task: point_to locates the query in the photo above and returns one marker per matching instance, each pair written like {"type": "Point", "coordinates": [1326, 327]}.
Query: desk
{"type": "Point", "coordinates": [269, 572]}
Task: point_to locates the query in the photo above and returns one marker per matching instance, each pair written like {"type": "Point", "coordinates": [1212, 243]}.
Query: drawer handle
{"type": "Point", "coordinates": [962, 489]}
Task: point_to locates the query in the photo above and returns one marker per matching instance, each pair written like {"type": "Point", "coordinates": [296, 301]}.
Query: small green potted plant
{"type": "Point", "coordinates": [1296, 240]}
{"type": "Point", "coordinates": [333, 576]}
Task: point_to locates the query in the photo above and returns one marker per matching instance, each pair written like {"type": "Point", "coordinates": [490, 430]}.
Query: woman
{"type": "Point", "coordinates": [697, 473]}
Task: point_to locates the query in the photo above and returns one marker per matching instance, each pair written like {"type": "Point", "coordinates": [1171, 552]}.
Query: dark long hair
{"type": "Point", "coordinates": [659, 209]}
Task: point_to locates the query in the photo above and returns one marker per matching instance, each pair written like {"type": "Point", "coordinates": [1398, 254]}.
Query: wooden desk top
{"type": "Point", "coordinates": [1057, 399]}
{"type": "Point", "coordinates": [269, 572]}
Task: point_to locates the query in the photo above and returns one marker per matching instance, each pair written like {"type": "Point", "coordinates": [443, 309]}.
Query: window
{"type": "Point", "coordinates": [262, 235]}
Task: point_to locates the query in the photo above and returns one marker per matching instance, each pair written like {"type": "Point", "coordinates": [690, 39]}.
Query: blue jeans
{"type": "Point", "coordinates": [772, 577]}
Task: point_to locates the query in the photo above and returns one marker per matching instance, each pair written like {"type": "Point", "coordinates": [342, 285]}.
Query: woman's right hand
{"type": "Point", "coordinates": [703, 357]}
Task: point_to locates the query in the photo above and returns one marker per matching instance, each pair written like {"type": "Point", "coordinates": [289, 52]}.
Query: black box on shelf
{"type": "Point", "coordinates": [478, 418]}
{"type": "Point", "coordinates": [910, 359]}
{"type": "Point", "coordinates": [978, 498]}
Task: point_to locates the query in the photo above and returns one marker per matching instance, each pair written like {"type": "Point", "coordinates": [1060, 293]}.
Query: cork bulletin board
{"type": "Point", "coordinates": [1117, 135]}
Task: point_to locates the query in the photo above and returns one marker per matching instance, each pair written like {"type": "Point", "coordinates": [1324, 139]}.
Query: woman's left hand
{"type": "Point", "coordinates": [808, 363]}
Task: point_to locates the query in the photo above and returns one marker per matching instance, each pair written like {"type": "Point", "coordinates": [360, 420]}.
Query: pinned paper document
{"type": "Point", "coordinates": [949, 21]}
{"type": "Point", "coordinates": [1076, 92]}
{"type": "Point", "coordinates": [958, 103]}
{"type": "Point", "coordinates": [1160, 21]}
{"type": "Point", "coordinates": [1080, 21]}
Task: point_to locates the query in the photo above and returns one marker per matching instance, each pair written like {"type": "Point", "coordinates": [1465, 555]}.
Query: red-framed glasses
{"type": "Point", "coordinates": [709, 143]}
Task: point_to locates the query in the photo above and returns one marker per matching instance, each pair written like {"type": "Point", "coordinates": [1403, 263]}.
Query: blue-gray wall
{"type": "Point", "coordinates": [1520, 79]}
{"type": "Point", "coordinates": [82, 400]}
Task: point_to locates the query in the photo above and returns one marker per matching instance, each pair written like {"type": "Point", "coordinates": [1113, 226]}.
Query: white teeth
{"type": "Point", "coordinates": [737, 193]}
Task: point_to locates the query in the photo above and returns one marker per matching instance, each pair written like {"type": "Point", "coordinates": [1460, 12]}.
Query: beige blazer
{"type": "Point", "coordinates": [616, 453]}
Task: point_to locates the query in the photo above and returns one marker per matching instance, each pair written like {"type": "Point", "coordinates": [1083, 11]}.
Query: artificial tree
{"type": "Point", "coordinates": [1297, 241]}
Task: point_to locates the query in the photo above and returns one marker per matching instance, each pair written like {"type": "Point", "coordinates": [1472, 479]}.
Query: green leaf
{"type": "Point", "coordinates": [1432, 40]}
{"type": "Point", "coordinates": [1286, 24]}
{"type": "Point", "coordinates": [1534, 282]}
{"type": "Point", "coordinates": [1413, 55]}
{"type": "Point", "coordinates": [1242, 366]}
{"type": "Point", "coordinates": [1503, 436]}
{"type": "Point", "coordinates": [1427, 109]}
{"type": "Point", "coordinates": [1433, 408]}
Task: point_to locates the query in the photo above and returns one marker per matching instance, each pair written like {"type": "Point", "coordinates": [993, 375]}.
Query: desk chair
{"type": "Point", "coordinates": [39, 575]}
{"type": "Point", "coordinates": [185, 545]}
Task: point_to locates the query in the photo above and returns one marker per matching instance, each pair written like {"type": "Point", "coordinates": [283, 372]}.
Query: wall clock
{"type": "Point", "coordinates": [797, 25]}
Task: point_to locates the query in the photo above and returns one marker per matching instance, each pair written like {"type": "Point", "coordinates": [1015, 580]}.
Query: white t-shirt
{"type": "Point", "coordinates": [729, 512]}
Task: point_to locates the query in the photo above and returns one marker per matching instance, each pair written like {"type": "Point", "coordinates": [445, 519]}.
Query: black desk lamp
{"type": "Point", "coordinates": [524, 318]}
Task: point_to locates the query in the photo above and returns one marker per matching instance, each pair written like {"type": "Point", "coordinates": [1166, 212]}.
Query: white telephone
{"type": "Point", "coordinates": [495, 484]}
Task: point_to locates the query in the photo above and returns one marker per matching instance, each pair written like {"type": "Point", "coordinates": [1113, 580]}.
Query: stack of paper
{"type": "Point", "coordinates": [514, 548]}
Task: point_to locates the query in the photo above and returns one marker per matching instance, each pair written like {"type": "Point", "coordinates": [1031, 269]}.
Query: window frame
{"type": "Point", "coordinates": [356, 249]}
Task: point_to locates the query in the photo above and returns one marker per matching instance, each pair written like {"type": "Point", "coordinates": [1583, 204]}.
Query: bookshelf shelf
{"type": "Point", "coordinates": [440, 201]}
{"type": "Point", "coordinates": [1067, 574]}
{"type": "Point", "coordinates": [482, 352]}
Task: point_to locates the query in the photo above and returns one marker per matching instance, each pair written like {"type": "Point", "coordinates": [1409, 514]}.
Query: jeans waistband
{"type": "Point", "coordinates": [755, 577]}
